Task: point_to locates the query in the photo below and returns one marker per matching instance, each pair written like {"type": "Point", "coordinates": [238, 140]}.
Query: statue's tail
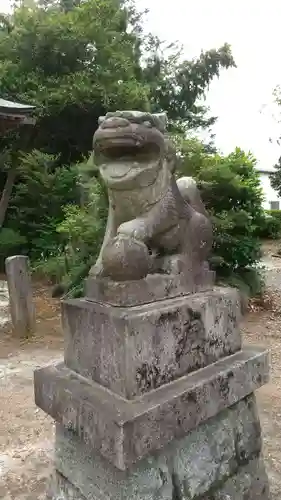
{"type": "Point", "coordinates": [190, 193]}
{"type": "Point", "coordinates": [200, 223]}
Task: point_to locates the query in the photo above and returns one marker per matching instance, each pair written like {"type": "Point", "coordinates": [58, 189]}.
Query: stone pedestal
{"type": "Point", "coordinates": [155, 401]}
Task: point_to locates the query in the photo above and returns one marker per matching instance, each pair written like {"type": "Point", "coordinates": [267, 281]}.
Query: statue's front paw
{"type": "Point", "coordinates": [133, 229]}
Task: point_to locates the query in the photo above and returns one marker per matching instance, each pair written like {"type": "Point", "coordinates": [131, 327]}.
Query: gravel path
{"type": "Point", "coordinates": [27, 441]}
{"type": "Point", "coordinates": [26, 433]}
{"type": "Point", "coordinates": [272, 266]}
{"type": "Point", "coordinates": [4, 303]}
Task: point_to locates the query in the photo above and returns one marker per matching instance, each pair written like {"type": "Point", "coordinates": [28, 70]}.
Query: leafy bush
{"type": "Point", "coordinates": [11, 243]}
{"type": "Point", "coordinates": [38, 201]}
{"type": "Point", "coordinates": [269, 226]}
{"type": "Point", "coordinates": [232, 194]}
{"type": "Point", "coordinates": [250, 281]}
{"type": "Point", "coordinates": [274, 213]}
{"type": "Point", "coordinates": [80, 234]}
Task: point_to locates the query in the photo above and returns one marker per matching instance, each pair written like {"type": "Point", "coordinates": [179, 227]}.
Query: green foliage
{"type": "Point", "coordinates": [275, 177]}
{"type": "Point", "coordinates": [72, 66]}
{"type": "Point", "coordinates": [250, 281]}
{"type": "Point", "coordinates": [232, 194]}
{"type": "Point", "coordinates": [80, 234]}
{"type": "Point", "coordinates": [83, 227]}
{"type": "Point", "coordinates": [269, 226]}
{"type": "Point", "coordinates": [274, 213]}
{"type": "Point", "coordinates": [176, 84]}
{"type": "Point", "coordinates": [11, 243]}
{"type": "Point", "coordinates": [92, 57]}
{"type": "Point", "coordinates": [37, 204]}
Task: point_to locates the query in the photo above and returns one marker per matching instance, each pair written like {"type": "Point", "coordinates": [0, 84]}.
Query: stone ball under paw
{"type": "Point", "coordinates": [126, 259]}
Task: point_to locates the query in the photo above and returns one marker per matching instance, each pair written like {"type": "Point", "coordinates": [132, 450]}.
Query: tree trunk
{"type": "Point", "coordinates": [5, 198]}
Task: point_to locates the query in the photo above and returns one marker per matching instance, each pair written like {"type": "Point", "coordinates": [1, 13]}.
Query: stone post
{"type": "Point", "coordinates": [20, 295]}
{"type": "Point", "coordinates": [155, 397]}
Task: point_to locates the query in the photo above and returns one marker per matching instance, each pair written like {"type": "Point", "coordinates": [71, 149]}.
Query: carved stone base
{"type": "Point", "coordinates": [153, 288]}
{"type": "Point", "coordinates": [135, 349]}
{"type": "Point", "coordinates": [219, 460]}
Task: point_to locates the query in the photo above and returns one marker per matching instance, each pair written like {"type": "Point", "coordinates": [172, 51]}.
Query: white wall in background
{"type": "Point", "coordinates": [270, 195]}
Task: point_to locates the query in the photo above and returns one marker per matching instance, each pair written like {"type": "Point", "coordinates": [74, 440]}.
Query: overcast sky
{"type": "Point", "coordinates": [242, 97]}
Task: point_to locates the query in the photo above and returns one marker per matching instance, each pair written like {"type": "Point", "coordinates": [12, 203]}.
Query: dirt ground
{"type": "Point", "coordinates": [26, 433]}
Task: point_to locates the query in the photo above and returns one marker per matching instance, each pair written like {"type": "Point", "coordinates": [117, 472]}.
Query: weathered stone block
{"type": "Point", "coordinates": [250, 483]}
{"type": "Point", "coordinates": [134, 350]}
{"type": "Point", "coordinates": [204, 457]}
{"type": "Point", "coordinates": [212, 453]}
{"type": "Point", "coordinates": [248, 430]}
{"type": "Point", "coordinates": [125, 431]}
{"type": "Point", "coordinates": [202, 466]}
{"type": "Point", "coordinates": [96, 479]}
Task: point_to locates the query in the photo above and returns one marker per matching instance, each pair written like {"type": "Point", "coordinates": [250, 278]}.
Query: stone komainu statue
{"type": "Point", "coordinates": [155, 223]}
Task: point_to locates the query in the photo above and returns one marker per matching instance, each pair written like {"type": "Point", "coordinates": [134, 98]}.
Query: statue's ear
{"type": "Point", "coordinates": [101, 120]}
{"type": "Point", "coordinates": [170, 155]}
{"type": "Point", "coordinates": [90, 161]}
{"type": "Point", "coordinates": [161, 120]}
{"type": "Point", "coordinates": [91, 164]}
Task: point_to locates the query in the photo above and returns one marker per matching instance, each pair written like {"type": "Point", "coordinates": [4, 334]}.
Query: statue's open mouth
{"type": "Point", "coordinates": [127, 151]}
{"type": "Point", "coordinates": [124, 152]}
